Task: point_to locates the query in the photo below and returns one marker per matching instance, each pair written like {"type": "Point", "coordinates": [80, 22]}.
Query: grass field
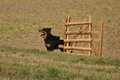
{"type": "Point", "coordinates": [31, 64]}
{"type": "Point", "coordinates": [22, 52]}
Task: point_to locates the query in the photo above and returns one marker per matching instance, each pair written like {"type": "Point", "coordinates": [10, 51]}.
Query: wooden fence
{"type": "Point", "coordinates": [84, 40]}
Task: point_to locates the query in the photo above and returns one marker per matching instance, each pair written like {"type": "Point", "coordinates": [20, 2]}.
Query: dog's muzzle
{"type": "Point", "coordinates": [42, 34]}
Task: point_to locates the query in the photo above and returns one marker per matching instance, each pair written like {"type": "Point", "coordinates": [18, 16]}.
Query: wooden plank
{"type": "Point", "coordinates": [67, 29]}
{"type": "Point", "coordinates": [79, 32]}
{"type": "Point", "coordinates": [79, 54]}
{"type": "Point", "coordinates": [100, 37]}
{"type": "Point", "coordinates": [102, 24]}
{"type": "Point", "coordinates": [77, 48]}
{"type": "Point", "coordinates": [62, 38]}
{"type": "Point", "coordinates": [62, 30]}
{"type": "Point", "coordinates": [78, 23]}
{"type": "Point", "coordinates": [77, 40]}
{"type": "Point", "coordinates": [90, 36]}
{"type": "Point", "coordinates": [61, 46]}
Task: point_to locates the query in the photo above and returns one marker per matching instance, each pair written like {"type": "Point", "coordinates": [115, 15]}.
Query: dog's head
{"type": "Point", "coordinates": [45, 32]}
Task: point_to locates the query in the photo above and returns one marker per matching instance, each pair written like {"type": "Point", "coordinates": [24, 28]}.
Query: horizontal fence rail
{"type": "Point", "coordinates": [77, 40]}
{"type": "Point", "coordinates": [77, 23]}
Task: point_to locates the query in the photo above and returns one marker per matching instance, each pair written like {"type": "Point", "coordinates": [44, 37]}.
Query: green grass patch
{"type": "Point", "coordinates": [62, 57]}
{"type": "Point", "coordinates": [62, 67]}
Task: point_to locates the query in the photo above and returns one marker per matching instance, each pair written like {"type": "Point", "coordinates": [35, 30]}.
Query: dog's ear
{"type": "Point", "coordinates": [49, 29]}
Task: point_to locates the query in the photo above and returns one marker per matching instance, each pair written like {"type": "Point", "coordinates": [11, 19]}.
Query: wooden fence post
{"type": "Point", "coordinates": [67, 29]}
{"type": "Point", "coordinates": [90, 36]}
{"type": "Point", "coordinates": [100, 37]}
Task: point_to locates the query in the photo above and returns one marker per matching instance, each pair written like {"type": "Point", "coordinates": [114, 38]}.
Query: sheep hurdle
{"type": "Point", "coordinates": [83, 39]}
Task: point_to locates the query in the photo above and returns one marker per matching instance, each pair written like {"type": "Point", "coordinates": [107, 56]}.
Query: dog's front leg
{"type": "Point", "coordinates": [49, 49]}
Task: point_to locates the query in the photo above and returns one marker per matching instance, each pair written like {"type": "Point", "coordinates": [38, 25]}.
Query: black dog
{"type": "Point", "coordinates": [51, 41]}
